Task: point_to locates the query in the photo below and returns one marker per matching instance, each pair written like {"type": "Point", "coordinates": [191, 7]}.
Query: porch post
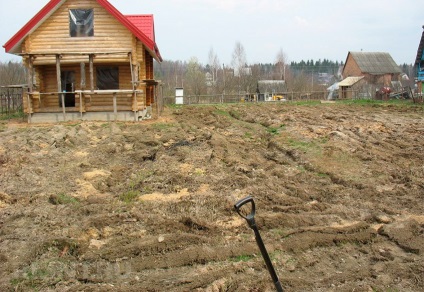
{"type": "Point", "coordinates": [134, 87]}
{"type": "Point", "coordinates": [59, 86]}
{"type": "Point", "coordinates": [83, 83]}
{"type": "Point", "coordinates": [80, 97]}
{"type": "Point", "coordinates": [30, 86]}
{"type": "Point", "coordinates": [91, 60]}
{"type": "Point", "coordinates": [82, 75]}
{"type": "Point", "coordinates": [115, 109]}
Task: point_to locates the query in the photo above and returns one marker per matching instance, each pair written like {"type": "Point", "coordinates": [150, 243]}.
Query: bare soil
{"type": "Point", "coordinates": [148, 206]}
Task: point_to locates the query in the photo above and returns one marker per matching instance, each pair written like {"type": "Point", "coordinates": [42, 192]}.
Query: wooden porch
{"type": "Point", "coordinates": [136, 96]}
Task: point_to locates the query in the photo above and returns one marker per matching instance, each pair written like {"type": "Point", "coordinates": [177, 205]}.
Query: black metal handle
{"type": "Point", "coordinates": [250, 218]}
{"type": "Point", "coordinates": [243, 202]}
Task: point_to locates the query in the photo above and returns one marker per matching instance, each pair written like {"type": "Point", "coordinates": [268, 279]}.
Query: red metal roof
{"type": "Point", "coordinates": [145, 23]}
{"type": "Point", "coordinates": [134, 24]}
{"type": "Point", "coordinates": [31, 25]}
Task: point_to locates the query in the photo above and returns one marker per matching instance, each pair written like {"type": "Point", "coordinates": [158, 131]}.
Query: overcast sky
{"type": "Point", "coordinates": [303, 29]}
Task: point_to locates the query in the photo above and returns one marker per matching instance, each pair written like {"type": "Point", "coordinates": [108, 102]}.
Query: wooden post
{"type": "Point", "coordinates": [83, 83]}
{"type": "Point", "coordinates": [8, 102]}
{"type": "Point", "coordinates": [156, 100]}
{"type": "Point", "coordinates": [29, 107]}
{"type": "Point", "coordinates": [59, 86]}
{"type": "Point", "coordinates": [115, 108]}
{"type": "Point", "coordinates": [91, 59]}
{"type": "Point", "coordinates": [135, 106]}
{"type": "Point", "coordinates": [30, 85]}
{"type": "Point", "coordinates": [81, 106]}
{"type": "Point", "coordinates": [134, 86]}
{"type": "Point", "coordinates": [132, 71]}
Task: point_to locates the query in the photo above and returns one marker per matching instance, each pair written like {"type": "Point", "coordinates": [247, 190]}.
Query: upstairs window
{"type": "Point", "coordinates": [81, 22]}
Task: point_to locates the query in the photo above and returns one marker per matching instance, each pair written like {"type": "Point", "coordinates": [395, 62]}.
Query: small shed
{"type": "Point", "coordinates": [350, 86]}
{"type": "Point", "coordinates": [270, 90]}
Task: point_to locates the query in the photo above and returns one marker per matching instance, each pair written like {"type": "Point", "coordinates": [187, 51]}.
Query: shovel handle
{"type": "Point", "coordinates": [243, 202]}
{"type": "Point", "coordinates": [250, 218]}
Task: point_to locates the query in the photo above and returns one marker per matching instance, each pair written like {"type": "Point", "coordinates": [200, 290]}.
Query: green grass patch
{"type": "Point", "coordinates": [136, 187]}
{"type": "Point", "coordinates": [306, 102]}
{"type": "Point", "coordinates": [242, 258]}
{"type": "Point", "coordinates": [15, 115]}
{"type": "Point", "coordinates": [129, 196]}
{"type": "Point", "coordinates": [312, 146]}
{"type": "Point", "coordinates": [301, 145]}
{"type": "Point", "coordinates": [221, 112]}
{"type": "Point", "coordinates": [276, 130]}
{"type": "Point", "coordinates": [323, 175]}
{"type": "Point", "coordinates": [162, 126]}
{"type": "Point", "coordinates": [248, 135]}
{"type": "Point", "coordinates": [63, 199]}
{"type": "Point", "coordinates": [41, 275]}
{"type": "Point", "coordinates": [174, 106]}
{"type": "Point", "coordinates": [280, 232]}
{"type": "Point", "coordinates": [235, 114]}
{"type": "Point", "coordinates": [375, 102]}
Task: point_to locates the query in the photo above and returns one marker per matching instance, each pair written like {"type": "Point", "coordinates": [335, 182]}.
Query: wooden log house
{"type": "Point", "coordinates": [86, 60]}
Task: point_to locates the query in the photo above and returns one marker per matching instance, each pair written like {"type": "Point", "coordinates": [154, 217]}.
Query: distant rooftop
{"type": "Point", "coordinates": [349, 81]}
{"type": "Point", "coordinates": [375, 63]}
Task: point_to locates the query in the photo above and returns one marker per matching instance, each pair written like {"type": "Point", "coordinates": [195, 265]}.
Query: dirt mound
{"type": "Point", "coordinates": [149, 206]}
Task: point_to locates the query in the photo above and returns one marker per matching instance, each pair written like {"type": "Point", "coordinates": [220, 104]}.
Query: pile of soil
{"type": "Point", "coordinates": [339, 192]}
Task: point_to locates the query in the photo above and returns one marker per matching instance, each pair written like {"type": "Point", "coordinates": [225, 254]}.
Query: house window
{"type": "Point", "coordinates": [107, 78]}
{"type": "Point", "coordinates": [81, 22]}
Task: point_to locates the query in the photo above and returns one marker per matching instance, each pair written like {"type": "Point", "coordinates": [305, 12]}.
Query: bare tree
{"type": "Point", "coordinates": [171, 73]}
{"type": "Point", "coordinates": [12, 73]}
{"type": "Point", "coordinates": [239, 64]}
{"type": "Point", "coordinates": [213, 64]}
{"type": "Point", "coordinates": [299, 82]}
{"type": "Point", "coordinates": [280, 65]}
{"type": "Point", "coordinates": [195, 78]}
{"type": "Point", "coordinates": [239, 59]}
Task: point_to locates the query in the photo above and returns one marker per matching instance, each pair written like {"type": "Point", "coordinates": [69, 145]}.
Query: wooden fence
{"type": "Point", "coordinates": [11, 101]}
{"type": "Point", "coordinates": [235, 98]}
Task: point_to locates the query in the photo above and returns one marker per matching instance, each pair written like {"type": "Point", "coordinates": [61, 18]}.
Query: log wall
{"type": "Point", "coordinates": [53, 35]}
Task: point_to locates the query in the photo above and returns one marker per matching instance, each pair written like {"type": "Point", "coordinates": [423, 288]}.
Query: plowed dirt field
{"type": "Point", "coordinates": [339, 192]}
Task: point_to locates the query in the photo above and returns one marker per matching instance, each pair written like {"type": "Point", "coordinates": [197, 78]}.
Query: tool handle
{"type": "Point", "coordinates": [243, 202]}
{"type": "Point", "coordinates": [267, 260]}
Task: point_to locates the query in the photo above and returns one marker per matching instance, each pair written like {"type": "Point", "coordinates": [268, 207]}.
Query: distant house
{"type": "Point", "coordinates": [419, 65]}
{"type": "Point", "coordinates": [377, 69]}
{"type": "Point", "coordinates": [86, 60]}
{"type": "Point", "coordinates": [245, 71]}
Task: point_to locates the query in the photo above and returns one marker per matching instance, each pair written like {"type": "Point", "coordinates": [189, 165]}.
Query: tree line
{"type": "Point", "coordinates": [12, 73]}
{"type": "Point", "coordinates": [238, 77]}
